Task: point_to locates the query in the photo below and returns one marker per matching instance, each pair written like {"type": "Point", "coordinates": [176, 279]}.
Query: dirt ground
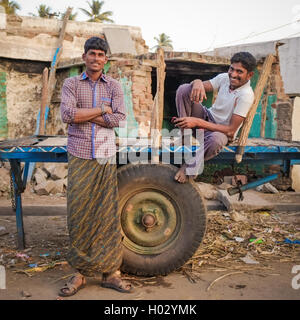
{"type": "Point", "coordinates": [215, 272]}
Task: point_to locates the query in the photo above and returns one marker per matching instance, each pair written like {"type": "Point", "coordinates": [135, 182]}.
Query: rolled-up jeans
{"type": "Point", "coordinates": [213, 141]}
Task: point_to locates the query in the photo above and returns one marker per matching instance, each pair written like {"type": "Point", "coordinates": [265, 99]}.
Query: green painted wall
{"type": "Point", "coordinates": [74, 71]}
{"type": "Point", "coordinates": [3, 106]}
{"type": "Point", "coordinates": [131, 129]}
{"type": "Point", "coordinates": [271, 122]}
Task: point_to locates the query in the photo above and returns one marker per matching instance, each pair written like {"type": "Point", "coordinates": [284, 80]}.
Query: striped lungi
{"type": "Point", "coordinates": [93, 219]}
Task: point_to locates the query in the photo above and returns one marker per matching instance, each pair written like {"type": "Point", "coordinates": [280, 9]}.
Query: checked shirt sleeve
{"type": "Point", "coordinates": [118, 117]}
{"type": "Point", "coordinates": [68, 101]}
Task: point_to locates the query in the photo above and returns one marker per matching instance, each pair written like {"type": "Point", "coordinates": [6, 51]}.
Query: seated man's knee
{"type": "Point", "coordinates": [216, 142]}
{"type": "Point", "coordinates": [184, 90]}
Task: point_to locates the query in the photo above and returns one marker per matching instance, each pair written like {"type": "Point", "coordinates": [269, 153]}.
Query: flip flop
{"type": "Point", "coordinates": [118, 284]}
{"type": "Point", "coordinates": [71, 288]}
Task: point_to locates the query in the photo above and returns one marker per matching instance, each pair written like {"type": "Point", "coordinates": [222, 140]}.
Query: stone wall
{"type": "Point", "coordinates": [284, 120]}
{"type": "Point", "coordinates": [22, 98]}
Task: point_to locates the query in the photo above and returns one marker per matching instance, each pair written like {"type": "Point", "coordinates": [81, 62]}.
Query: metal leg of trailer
{"type": "Point", "coordinates": [251, 185]}
{"type": "Point", "coordinates": [19, 187]}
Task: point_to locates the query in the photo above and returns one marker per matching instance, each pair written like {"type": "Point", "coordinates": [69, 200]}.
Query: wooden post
{"type": "Point", "coordinates": [266, 69]}
{"type": "Point", "coordinates": [43, 102]}
{"type": "Point", "coordinates": [161, 75]}
{"type": "Point", "coordinates": [158, 104]}
{"type": "Point", "coordinates": [56, 57]}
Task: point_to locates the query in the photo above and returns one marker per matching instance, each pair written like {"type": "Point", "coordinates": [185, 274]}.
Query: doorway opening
{"type": "Point", "coordinates": [179, 72]}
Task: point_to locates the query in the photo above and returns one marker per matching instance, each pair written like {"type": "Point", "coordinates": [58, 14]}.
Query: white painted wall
{"type": "Point", "coordinates": [296, 137]}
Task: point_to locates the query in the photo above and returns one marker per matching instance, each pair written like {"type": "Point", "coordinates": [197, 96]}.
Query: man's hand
{"type": "Point", "coordinates": [108, 109]}
{"type": "Point", "coordinates": [187, 122]}
{"type": "Point", "coordinates": [198, 91]}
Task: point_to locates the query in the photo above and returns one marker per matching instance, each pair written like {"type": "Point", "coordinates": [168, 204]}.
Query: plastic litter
{"type": "Point", "coordinates": [23, 256]}
{"type": "Point", "coordinates": [3, 231]}
{"type": "Point", "coordinates": [265, 213]}
{"type": "Point", "coordinates": [239, 239]}
{"type": "Point", "coordinates": [45, 255]}
{"type": "Point", "coordinates": [256, 241]}
{"type": "Point", "coordinates": [289, 241]}
{"type": "Point", "coordinates": [249, 259]}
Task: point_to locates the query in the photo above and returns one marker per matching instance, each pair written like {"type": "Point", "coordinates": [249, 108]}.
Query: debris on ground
{"type": "Point", "coordinates": [249, 259]}
{"type": "Point", "coordinates": [267, 188]}
{"type": "Point", "coordinates": [244, 241]}
{"type": "Point", "coordinates": [25, 294]}
{"type": "Point", "coordinates": [230, 237]}
{"type": "Point", "coordinates": [50, 179]}
{"type": "Point", "coordinates": [3, 231]}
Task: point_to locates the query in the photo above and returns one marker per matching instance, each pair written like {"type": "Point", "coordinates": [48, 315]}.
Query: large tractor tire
{"type": "Point", "coordinates": [163, 221]}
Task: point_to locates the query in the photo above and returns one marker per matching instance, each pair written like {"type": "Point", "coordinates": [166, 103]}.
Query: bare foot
{"type": "Point", "coordinates": [180, 176]}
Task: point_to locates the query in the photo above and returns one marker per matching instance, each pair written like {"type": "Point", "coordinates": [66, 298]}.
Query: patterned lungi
{"type": "Point", "coordinates": [93, 219]}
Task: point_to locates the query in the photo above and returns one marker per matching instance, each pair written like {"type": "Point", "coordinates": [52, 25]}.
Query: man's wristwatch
{"type": "Point", "coordinates": [103, 109]}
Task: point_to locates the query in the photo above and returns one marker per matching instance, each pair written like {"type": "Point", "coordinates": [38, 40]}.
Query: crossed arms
{"type": "Point", "coordinates": [114, 115]}
{"type": "Point", "coordinates": [92, 115]}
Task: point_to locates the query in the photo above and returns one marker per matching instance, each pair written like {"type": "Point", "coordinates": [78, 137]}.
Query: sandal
{"type": "Point", "coordinates": [116, 283]}
{"type": "Point", "coordinates": [71, 288]}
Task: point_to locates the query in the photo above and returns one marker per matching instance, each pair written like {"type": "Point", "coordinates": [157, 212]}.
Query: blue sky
{"type": "Point", "coordinates": [195, 25]}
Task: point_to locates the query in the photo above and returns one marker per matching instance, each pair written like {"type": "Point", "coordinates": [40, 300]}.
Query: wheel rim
{"type": "Point", "coordinates": [150, 221]}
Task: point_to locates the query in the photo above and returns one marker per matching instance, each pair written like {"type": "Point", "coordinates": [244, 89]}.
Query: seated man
{"type": "Point", "coordinates": [222, 121]}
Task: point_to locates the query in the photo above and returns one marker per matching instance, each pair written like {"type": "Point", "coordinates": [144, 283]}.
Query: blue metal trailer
{"type": "Point", "coordinates": [158, 214]}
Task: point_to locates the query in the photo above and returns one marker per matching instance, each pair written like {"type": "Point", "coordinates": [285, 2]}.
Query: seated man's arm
{"type": "Point", "coordinates": [229, 130]}
{"type": "Point", "coordinates": [199, 89]}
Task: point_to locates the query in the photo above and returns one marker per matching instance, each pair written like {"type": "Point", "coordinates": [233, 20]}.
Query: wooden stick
{"type": "Point", "coordinates": [158, 104]}
{"type": "Point", "coordinates": [222, 277]}
{"type": "Point", "coordinates": [56, 57]}
{"type": "Point", "coordinates": [161, 74]}
{"type": "Point", "coordinates": [257, 95]}
{"type": "Point", "coordinates": [43, 102]}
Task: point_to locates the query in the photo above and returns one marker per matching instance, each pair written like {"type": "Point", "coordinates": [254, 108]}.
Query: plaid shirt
{"type": "Point", "coordinates": [88, 140]}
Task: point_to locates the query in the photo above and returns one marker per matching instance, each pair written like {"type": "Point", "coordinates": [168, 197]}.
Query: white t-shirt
{"type": "Point", "coordinates": [228, 101]}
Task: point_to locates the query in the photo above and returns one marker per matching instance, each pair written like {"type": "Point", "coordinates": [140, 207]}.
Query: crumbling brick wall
{"type": "Point", "coordinates": [283, 105]}
{"type": "Point", "coordinates": [139, 75]}
{"type": "Point", "coordinates": [284, 120]}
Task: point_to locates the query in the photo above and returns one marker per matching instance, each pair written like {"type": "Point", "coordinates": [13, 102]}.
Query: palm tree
{"type": "Point", "coordinates": [95, 13]}
{"type": "Point", "coordinates": [163, 41]}
{"type": "Point", "coordinates": [44, 12]}
{"type": "Point", "coordinates": [72, 16]}
{"type": "Point", "coordinates": [10, 7]}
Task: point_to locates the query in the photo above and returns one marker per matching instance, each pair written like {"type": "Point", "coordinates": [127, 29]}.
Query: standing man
{"type": "Point", "coordinates": [222, 121]}
{"type": "Point", "coordinates": [93, 105]}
